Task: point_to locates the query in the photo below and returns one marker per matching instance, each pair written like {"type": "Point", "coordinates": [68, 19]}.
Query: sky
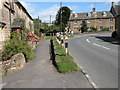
{"type": "Point", "coordinates": [45, 9]}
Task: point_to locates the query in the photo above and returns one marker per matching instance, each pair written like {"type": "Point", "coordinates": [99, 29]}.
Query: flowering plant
{"type": "Point", "coordinates": [4, 56]}
{"type": "Point", "coordinates": [33, 37]}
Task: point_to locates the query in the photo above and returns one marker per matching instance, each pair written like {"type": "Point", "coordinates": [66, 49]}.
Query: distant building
{"type": "Point", "coordinates": [99, 20]}
{"type": "Point", "coordinates": [115, 10]}
{"type": "Point", "coordinates": [49, 24]}
{"type": "Point", "coordinates": [11, 14]}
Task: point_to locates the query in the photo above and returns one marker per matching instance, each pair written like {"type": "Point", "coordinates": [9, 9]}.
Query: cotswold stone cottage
{"type": "Point", "coordinates": [10, 12]}
{"type": "Point", "coordinates": [99, 20]}
{"type": "Point", "coordinates": [115, 10]}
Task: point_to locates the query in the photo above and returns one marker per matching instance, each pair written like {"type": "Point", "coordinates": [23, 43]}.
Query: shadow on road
{"type": "Point", "coordinates": [109, 39]}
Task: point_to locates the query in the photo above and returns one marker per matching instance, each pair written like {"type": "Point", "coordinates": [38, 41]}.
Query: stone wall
{"type": "Point", "coordinates": [15, 63]}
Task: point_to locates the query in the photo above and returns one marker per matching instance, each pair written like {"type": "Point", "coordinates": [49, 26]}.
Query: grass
{"type": "Point", "coordinates": [48, 37]}
{"type": "Point", "coordinates": [69, 36]}
{"type": "Point", "coordinates": [65, 63]}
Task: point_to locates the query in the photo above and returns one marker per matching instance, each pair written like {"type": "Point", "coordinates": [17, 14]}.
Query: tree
{"type": "Point", "coordinates": [84, 27]}
{"type": "Point", "coordinates": [37, 26]}
{"type": "Point", "coordinates": [62, 17]}
{"type": "Point", "coordinates": [37, 23]}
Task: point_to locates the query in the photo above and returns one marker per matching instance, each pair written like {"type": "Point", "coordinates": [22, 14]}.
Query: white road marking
{"type": "Point", "coordinates": [88, 40]}
{"type": "Point", "coordinates": [101, 46]}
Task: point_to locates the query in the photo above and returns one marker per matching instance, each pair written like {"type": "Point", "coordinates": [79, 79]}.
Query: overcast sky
{"type": "Point", "coordinates": [45, 9]}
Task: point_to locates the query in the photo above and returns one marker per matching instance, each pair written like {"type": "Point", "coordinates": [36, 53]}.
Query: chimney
{"type": "Point", "coordinates": [93, 9]}
{"type": "Point", "coordinates": [112, 3]}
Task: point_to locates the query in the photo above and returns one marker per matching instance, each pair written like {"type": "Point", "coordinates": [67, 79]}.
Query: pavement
{"type": "Point", "coordinates": [97, 54]}
{"type": "Point", "coordinates": [40, 73]}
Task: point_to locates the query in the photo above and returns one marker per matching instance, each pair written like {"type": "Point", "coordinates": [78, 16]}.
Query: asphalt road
{"type": "Point", "coordinates": [97, 57]}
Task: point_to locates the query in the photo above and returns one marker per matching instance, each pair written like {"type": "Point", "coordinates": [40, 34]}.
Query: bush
{"type": "Point", "coordinates": [105, 29]}
{"type": "Point", "coordinates": [15, 46]}
{"type": "Point", "coordinates": [114, 34]}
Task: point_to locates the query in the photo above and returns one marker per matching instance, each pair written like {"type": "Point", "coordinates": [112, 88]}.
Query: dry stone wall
{"type": "Point", "coordinates": [15, 63]}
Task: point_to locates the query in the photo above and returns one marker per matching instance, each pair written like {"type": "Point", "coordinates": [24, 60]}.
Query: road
{"type": "Point", "coordinates": [97, 57]}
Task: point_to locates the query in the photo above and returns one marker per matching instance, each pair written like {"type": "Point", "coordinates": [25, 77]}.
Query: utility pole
{"type": "Point", "coordinates": [50, 18]}
{"type": "Point", "coordinates": [10, 11]}
{"type": "Point", "coordinates": [61, 15]}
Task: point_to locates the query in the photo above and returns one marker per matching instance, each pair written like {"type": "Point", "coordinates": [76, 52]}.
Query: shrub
{"type": "Point", "coordinates": [15, 34]}
{"type": "Point", "coordinates": [15, 46]}
{"type": "Point", "coordinates": [105, 29]}
{"type": "Point", "coordinates": [114, 34]}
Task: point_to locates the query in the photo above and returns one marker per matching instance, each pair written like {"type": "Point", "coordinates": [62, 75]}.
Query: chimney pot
{"type": "Point", "coordinates": [112, 3]}
{"type": "Point", "coordinates": [93, 9]}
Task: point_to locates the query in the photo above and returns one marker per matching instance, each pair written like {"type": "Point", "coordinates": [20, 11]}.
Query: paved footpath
{"type": "Point", "coordinates": [40, 73]}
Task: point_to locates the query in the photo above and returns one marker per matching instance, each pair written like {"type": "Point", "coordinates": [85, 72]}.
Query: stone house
{"type": "Point", "coordinates": [99, 20]}
{"type": "Point", "coordinates": [115, 10]}
{"type": "Point", "coordinates": [10, 12]}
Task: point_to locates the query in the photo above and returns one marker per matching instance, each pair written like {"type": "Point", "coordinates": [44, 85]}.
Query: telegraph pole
{"type": "Point", "coordinates": [61, 15]}
{"type": "Point", "coordinates": [50, 18]}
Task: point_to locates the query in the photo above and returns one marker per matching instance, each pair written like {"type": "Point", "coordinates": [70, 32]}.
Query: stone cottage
{"type": "Point", "coordinates": [11, 12]}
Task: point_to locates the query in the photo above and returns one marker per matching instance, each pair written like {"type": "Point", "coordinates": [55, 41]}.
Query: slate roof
{"type": "Point", "coordinates": [117, 9]}
{"type": "Point", "coordinates": [93, 15]}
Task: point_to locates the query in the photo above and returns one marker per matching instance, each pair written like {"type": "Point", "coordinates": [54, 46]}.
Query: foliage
{"type": "Point", "coordinates": [37, 32]}
{"type": "Point", "coordinates": [84, 27]}
{"type": "Point", "coordinates": [114, 34]}
{"type": "Point", "coordinates": [37, 24]}
{"type": "Point", "coordinates": [65, 62]}
{"type": "Point", "coordinates": [15, 34]}
{"type": "Point", "coordinates": [62, 17]}
{"type": "Point", "coordinates": [48, 37]}
{"type": "Point", "coordinates": [33, 37]}
{"type": "Point", "coordinates": [14, 46]}
{"type": "Point", "coordinates": [93, 29]}
{"type": "Point", "coordinates": [105, 29]}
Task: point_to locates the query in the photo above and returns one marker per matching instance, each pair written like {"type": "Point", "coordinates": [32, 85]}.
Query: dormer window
{"type": "Point", "coordinates": [111, 19]}
{"type": "Point", "coordinates": [75, 16]}
{"type": "Point", "coordinates": [100, 20]}
{"type": "Point", "coordinates": [89, 14]}
{"type": "Point", "coordinates": [104, 14]}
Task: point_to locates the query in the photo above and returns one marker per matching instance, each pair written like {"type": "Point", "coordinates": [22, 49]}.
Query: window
{"type": "Point", "coordinates": [111, 19]}
{"type": "Point", "coordinates": [104, 14]}
{"type": "Point", "coordinates": [75, 28]}
{"type": "Point", "coordinates": [89, 28]}
{"type": "Point", "coordinates": [88, 21]}
{"type": "Point", "coordinates": [100, 20]}
{"type": "Point", "coordinates": [89, 14]}
{"type": "Point", "coordinates": [75, 21]}
{"type": "Point", "coordinates": [111, 27]}
{"type": "Point", "coordinates": [101, 27]}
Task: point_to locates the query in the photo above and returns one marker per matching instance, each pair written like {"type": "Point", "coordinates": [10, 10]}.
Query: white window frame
{"type": "Point", "coordinates": [102, 27]}
{"type": "Point", "coordinates": [75, 28]}
{"type": "Point", "coordinates": [111, 27]}
{"type": "Point", "coordinates": [111, 19]}
{"type": "Point", "coordinates": [88, 21]}
{"type": "Point", "coordinates": [100, 20]}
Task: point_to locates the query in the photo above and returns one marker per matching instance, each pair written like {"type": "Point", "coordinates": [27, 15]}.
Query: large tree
{"type": "Point", "coordinates": [37, 26]}
{"type": "Point", "coordinates": [62, 17]}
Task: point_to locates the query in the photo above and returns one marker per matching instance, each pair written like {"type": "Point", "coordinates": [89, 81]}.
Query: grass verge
{"type": "Point", "coordinates": [65, 63]}
{"type": "Point", "coordinates": [48, 37]}
{"type": "Point", "coordinates": [69, 36]}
